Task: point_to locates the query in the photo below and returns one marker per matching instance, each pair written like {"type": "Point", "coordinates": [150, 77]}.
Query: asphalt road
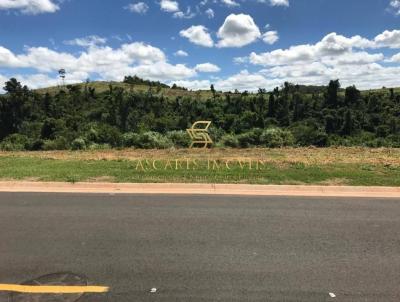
{"type": "Point", "coordinates": [205, 248]}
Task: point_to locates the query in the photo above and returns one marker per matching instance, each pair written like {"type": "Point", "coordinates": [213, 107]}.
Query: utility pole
{"type": "Point", "coordinates": [62, 74]}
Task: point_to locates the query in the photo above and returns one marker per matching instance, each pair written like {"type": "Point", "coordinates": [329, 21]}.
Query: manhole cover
{"type": "Point", "coordinates": [59, 279]}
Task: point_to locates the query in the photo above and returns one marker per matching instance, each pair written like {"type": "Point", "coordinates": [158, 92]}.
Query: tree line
{"type": "Point", "coordinates": [78, 117]}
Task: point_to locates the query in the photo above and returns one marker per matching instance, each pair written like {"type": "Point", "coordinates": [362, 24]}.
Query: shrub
{"type": "Point", "coordinates": [15, 142]}
{"type": "Point", "coordinates": [276, 138]}
{"type": "Point", "coordinates": [179, 138]}
{"type": "Point", "coordinates": [60, 143]}
{"type": "Point", "coordinates": [36, 145]}
{"type": "Point", "coordinates": [95, 146]}
{"type": "Point", "coordinates": [92, 135]}
{"type": "Point", "coordinates": [130, 139]}
{"type": "Point", "coordinates": [394, 140]}
{"type": "Point", "coordinates": [108, 135]}
{"type": "Point", "coordinates": [230, 140]}
{"type": "Point", "coordinates": [309, 136]}
{"type": "Point", "coordinates": [49, 129]}
{"type": "Point", "coordinates": [78, 144]}
{"type": "Point", "coordinates": [216, 134]}
{"type": "Point", "coordinates": [153, 140]}
{"type": "Point", "coordinates": [250, 138]}
{"type": "Point", "coordinates": [382, 131]}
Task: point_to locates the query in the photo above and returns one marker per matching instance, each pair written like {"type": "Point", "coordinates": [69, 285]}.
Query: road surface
{"type": "Point", "coordinates": [205, 248]}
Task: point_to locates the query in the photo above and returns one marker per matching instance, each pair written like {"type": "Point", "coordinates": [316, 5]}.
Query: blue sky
{"type": "Point", "coordinates": [244, 44]}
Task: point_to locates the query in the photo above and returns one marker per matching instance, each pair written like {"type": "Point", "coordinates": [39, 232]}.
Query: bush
{"type": "Point", "coordinates": [108, 135]}
{"type": "Point", "coordinates": [309, 136]}
{"type": "Point", "coordinates": [276, 138]}
{"type": "Point", "coordinates": [394, 140]}
{"type": "Point", "coordinates": [92, 135]}
{"type": "Point", "coordinates": [216, 134]}
{"type": "Point", "coordinates": [51, 127]}
{"type": "Point", "coordinates": [382, 131]}
{"type": "Point", "coordinates": [60, 143]}
{"type": "Point", "coordinates": [36, 145]}
{"type": "Point", "coordinates": [15, 142]}
{"type": "Point", "coordinates": [153, 140]}
{"type": "Point", "coordinates": [250, 138]}
{"type": "Point", "coordinates": [230, 140]}
{"type": "Point", "coordinates": [78, 144]}
{"type": "Point", "coordinates": [130, 139]}
{"type": "Point", "coordinates": [180, 138]}
{"type": "Point", "coordinates": [95, 146]}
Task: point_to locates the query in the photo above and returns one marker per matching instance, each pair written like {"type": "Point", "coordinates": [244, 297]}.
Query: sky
{"type": "Point", "coordinates": [233, 44]}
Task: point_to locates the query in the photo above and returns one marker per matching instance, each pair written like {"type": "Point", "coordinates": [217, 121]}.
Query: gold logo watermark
{"type": "Point", "coordinates": [199, 134]}
{"type": "Point", "coordinates": [209, 164]}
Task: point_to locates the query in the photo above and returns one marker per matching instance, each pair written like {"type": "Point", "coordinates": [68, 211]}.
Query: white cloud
{"type": "Point", "coordinates": [241, 60]}
{"type": "Point", "coordinates": [388, 39]}
{"type": "Point", "coordinates": [230, 3]}
{"type": "Point", "coordinates": [245, 81]}
{"type": "Point", "coordinates": [100, 62]}
{"type": "Point", "coordinates": [237, 31]}
{"type": "Point", "coordinates": [181, 53]}
{"type": "Point", "coordinates": [194, 84]}
{"type": "Point", "coordinates": [395, 58]}
{"type": "Point", "coordinates": [331, 46]}
{"type": "Point", "coordinates": [169, 6]}
{"type": "Point", "coordinates": [275, 2]}
{"type": "Point", "coordinates": [395, 5]}
{"type": "Point", "coordinates": [87, 41]}
{"type": "Point", "coordinates": [207, 67]}
{"type": "Point", "coordinates": [198, 34]}
{"type": "Point", "coordinates": [184, 15]}
{"type": "Point", "coordinates": [368, 76]}
{"type": "Point", "coordinates": [139, 8]}
{"type": "Point", "coordinates": [163, 71]}
{"type": "Point", "coordinates": [210, 13]}
{"type": "Point", "coordinates": [270, 37]}
{"type": "Point", "coordinates": [32, 7]}
{"type": "Point", "coordinates": [334, 57]}
{"type": "Point", "coordinates": [279, 2]}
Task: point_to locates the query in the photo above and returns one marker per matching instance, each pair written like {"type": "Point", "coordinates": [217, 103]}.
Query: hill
{"type": "Point", "coordinates": [102, 86]}
{"type": "Point", "coordinates": [165, 90]}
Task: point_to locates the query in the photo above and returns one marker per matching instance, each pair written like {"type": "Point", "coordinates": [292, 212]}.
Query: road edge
{"type": "Point", "coordinates": [201, 189]}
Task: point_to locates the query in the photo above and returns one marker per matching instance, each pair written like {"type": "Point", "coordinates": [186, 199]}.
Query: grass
{"type": "Point", "coordinates": [105, 86]}
{"type": "Point", "coordinates": [329, 166]}
{"type": "Point", "coordinates": [102, 86]}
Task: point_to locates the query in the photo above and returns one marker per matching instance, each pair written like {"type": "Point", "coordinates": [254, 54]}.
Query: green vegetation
{"type": "Point", "coordinates": [41, 169]}
{"type": "Point", "coordinates": [145, 114]}
{"type": "Point", "coordinates": [324, 166]}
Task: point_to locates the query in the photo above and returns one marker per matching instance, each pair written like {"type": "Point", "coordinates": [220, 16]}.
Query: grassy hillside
{"type": "Point", "coordinates": [102, 86]}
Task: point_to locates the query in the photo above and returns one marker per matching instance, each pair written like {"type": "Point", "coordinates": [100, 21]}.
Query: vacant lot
{"type": "Point", "coordinates": [330, 166]}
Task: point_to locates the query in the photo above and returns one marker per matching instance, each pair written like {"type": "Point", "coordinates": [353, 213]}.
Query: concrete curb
{"type": "Point", "coordinates": [203, 189]}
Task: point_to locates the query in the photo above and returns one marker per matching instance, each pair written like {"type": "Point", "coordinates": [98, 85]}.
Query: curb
{"type": "Point", "coordinates": [201, 189]}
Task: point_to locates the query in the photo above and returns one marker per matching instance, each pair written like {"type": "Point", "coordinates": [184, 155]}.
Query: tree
{"type": "Point", "coordinates": [282, 111]}
{"type": "Point", "coordinates": [392, 96]}
{"type": "Point", "coordinates": [352, 96]}
{"type": "Point", "coordinates": [213, 91]}
{"type": "Point", "coordinates": [348, 125]}
{"type": "Point", "coordinates": [13, 86]}
{"type": "Point", "coordinates": [298, 113]}
{"type": "Point", "coordinates": [271, 106]}
{"type": "Point", "coordinates": [332, 94]}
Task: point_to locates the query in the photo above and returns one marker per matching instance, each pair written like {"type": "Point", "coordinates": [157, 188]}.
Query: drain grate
{"type": "Point", "coordinates": [58, 279]}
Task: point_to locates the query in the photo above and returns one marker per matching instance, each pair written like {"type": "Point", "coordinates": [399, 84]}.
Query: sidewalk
{"type": "Point", "coordinates": [204, 189]}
